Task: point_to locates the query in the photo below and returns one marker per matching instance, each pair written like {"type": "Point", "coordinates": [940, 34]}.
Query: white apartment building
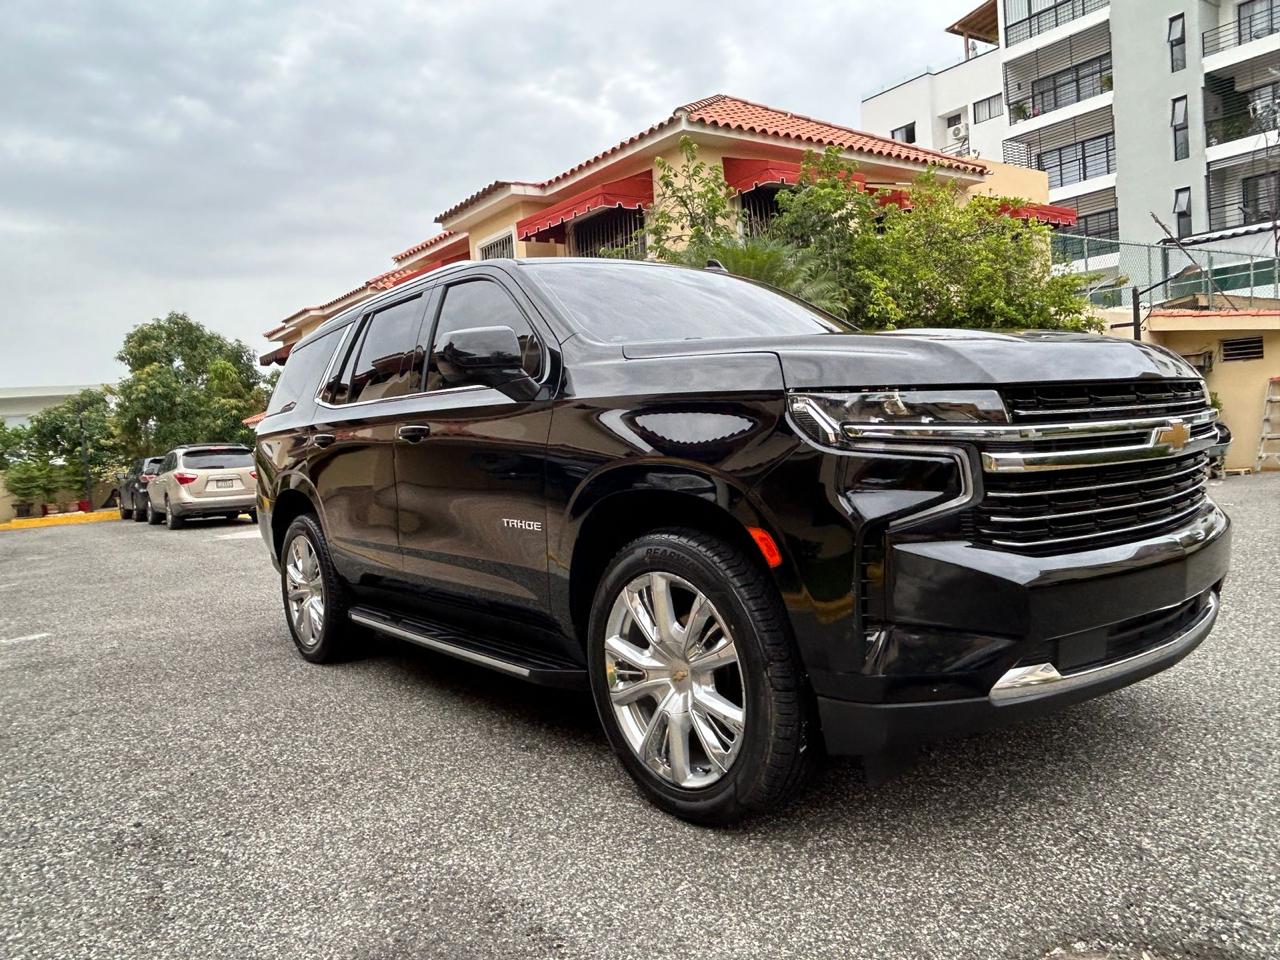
{"type": "Point", "coordinates": [1132, 108]}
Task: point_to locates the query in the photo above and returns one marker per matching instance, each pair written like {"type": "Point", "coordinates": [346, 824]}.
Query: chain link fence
{"type": "Point", "coordinates": [1200, 278]}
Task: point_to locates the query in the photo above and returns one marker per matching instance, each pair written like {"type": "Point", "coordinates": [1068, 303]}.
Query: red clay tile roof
{"type": "Point", "coordinates": [425, 244]}
{"type": "Point", "coordinates": [732, 113]}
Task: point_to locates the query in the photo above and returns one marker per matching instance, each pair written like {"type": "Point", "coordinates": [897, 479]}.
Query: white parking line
{"type": "Point", "coordinates": [242, 535]}
{"type": "Point", "coordinates": [30, 636]}
{"type": "Point", "coordinates": [6, 586]}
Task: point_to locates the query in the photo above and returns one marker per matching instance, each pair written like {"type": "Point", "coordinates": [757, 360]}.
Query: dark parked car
{"type": "Point", "coordinates": [754, 533]}
{"type": "Point", "coordinates": [133, 488]}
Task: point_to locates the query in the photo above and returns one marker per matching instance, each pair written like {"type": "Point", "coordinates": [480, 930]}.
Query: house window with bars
{"type": "Point", "coordinates": [759, 207]}
{"type": "Point", "coordinates": [606, 231]}
{"type": "Point", "coordinates": [501, 247]}
{"type": "Point", "coordinates": [1104, 225]}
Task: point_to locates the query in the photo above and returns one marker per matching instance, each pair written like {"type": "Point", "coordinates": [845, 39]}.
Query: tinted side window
{"type": "Point", "coordinates": [170, 461]}
{"type": "Point", "coordinates": [388, 362]}
{"type": "Point", "coordinates": [482, 303]}
{"type": "Point", "coordinates": [302, 371]}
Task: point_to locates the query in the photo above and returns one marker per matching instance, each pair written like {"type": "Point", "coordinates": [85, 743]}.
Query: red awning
{"type": "Point", "coordinates": [632, 193]}
{"type": "Point", "coordinates": [1045, 213]}
{"type": "Point", "coordinates": [743, 175]}
{"type": "Point", "coordinates": [278, 355]}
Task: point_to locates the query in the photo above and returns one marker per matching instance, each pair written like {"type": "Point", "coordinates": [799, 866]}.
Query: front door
{"type": "Point", "coordinates": [470, 478]}
{"type": "Point", "coordinates": [351, 447]}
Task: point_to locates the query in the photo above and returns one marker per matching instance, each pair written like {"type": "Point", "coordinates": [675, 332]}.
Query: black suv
{"type": "Point", "coordinates": [133, 487]}
{"type": "Point", "coordinates": [754, 533]}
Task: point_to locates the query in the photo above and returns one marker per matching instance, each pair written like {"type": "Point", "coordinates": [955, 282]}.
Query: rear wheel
{"type": "Point", "coordinates": [315, 600]}
{"type": "Point", "coordinates": [126, 513]}
{"type": "Point", "coordinates": [139, 513]}
{"type": "Point", "coordinates": [153, 516]}
{"type": "Point", "coordinates": [171, 519]}
{"type": "Point", "coordinates": [696, 680]}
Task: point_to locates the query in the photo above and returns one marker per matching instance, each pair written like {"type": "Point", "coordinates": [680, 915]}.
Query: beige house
{"type": "Point", "coordinates": [601, 202]}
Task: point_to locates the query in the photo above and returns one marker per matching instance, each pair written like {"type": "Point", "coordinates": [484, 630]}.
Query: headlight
{"type": "Point", "coordinates": [832, 417]}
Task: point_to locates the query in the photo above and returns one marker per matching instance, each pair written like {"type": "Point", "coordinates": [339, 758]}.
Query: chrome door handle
{"type": "Point", "coordinates": [322, 439]}
{"type": "Point", "coordinates": [413, 433]}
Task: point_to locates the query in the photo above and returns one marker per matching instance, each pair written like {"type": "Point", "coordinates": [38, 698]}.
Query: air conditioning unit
{"type": "Point", "coordinates": [960, 131]}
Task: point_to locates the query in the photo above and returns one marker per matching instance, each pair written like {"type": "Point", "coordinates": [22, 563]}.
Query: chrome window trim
{"type": "Point", "coordinates": [404, 396]}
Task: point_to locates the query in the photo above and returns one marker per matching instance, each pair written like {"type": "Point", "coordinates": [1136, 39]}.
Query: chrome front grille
{"type": "Point", "coordinates": [1082, 509]}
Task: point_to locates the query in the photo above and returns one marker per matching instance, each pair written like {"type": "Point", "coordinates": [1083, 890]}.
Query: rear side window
{"type": "Point", "coordinates": [302, 372]}
{"type": "Point", "coordinates": [388, 362]}
{"type": "Point", "coordinates": [482, 303]}
{"type": "Point", "coordinates": [217, 459]}
{"type": "Point", "coordinates": [152, 465]}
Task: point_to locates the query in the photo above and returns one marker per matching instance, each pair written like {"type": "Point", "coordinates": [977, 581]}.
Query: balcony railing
{"type": "Point", "coordinates": [1069, 87]}
{"type": "Point", "coordinates": [1044, 20]}
{"type": "Point", "coordinates": [1240, 212]}
{"type": "Point", "coordinates": [1253, 27]}
{"type": "Point", "coordinates": [1245, 123]}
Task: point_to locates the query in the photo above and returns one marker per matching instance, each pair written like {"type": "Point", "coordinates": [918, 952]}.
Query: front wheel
{"type": "Point", "coordinates": [126, 513]}
{"type": "Point", "coordinates": [315, 600]}
{"type": "Point", "coordinates": [139, 514]}
{"type": "Point", "coordinates": [696, 679]}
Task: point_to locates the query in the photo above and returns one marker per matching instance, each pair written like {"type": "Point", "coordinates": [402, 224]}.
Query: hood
{"type": "Point", "coordinates": [942, 357]}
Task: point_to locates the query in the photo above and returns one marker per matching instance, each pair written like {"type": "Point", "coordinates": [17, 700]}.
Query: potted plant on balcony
{"type": "Point", "coordinates": [1107, 83]}
{"type": "Point", "coordinates": [1019, 110]}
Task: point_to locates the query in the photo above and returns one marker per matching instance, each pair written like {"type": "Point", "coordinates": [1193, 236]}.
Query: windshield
{"type": "Point", "coordinates": [634, 302]}
{"type": "Point", "coordinates": [217, 459]}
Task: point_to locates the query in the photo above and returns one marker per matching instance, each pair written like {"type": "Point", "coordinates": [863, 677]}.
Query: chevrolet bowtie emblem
{"type": "Point", "coordinates": [1176, 435]}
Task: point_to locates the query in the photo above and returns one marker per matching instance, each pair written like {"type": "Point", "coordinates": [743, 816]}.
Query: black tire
{"type": "Point", "coordinates": [139, 513]}
{"type": "Point", "coordinates": [154, 517]}
{"type": "Point", "coordinates": [780, 747]}
{"type": "Point", "coordinates": [335, 640]}
{"type": "Point", "coordinates": [125, 513]}
{"type": "Point", "coordinates": [171, 519]}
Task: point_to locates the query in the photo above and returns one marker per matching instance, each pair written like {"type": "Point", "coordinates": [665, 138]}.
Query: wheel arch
{"type": "Point", "coordinates": [628, 503]}
{"type": "Point", "coordinates": [297, 497]}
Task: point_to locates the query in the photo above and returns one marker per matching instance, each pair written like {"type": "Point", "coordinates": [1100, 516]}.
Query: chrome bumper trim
{"type": "Point", "coordinates": [1024, 683]}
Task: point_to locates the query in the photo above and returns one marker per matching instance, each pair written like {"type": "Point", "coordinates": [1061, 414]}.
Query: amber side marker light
{"type": "Point", "coordinates": [768, 549]}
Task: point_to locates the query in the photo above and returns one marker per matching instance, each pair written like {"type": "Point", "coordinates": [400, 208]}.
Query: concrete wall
{"type": "Point", "coordinates": [1146, 173]}
{"type": "Point", "coordinates": [1240, 385]}
{"type": "Point", "coordinates": [931, 97]}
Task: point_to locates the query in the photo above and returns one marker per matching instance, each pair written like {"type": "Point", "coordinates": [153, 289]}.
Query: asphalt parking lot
{"type": "Point", "coordinates": [177, 782]}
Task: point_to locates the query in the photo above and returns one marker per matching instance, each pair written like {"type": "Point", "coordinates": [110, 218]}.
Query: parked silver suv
{"type": "Point", "coordinates": [203, 480]}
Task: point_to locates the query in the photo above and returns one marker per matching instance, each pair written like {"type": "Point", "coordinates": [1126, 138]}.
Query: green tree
{"type": "Point", "coordinates": [186, 384]}
{"type": "Point", "coordinates": [81, 425]}
{"type": "Point", "coordinates": [34, 481]}
{"type": "Point", "coordinates": [691, 210]}
{"type": "Point", "coordinates": [12, 441]}
{"type": "Point", "coordinates": [944, 260]}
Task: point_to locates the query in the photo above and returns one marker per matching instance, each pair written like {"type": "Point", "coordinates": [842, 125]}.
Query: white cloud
{"type": "Point", "coordinates": [238, 161]}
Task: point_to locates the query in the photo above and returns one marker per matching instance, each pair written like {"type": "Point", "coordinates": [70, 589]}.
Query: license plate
{"type": "Point", "coordinates": [224, 484]}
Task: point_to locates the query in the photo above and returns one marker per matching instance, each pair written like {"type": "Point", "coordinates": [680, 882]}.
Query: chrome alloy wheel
{"type": "Point", "coordinates": [306, 591]}
{"type": "Point", "coordinates": [674, 680]}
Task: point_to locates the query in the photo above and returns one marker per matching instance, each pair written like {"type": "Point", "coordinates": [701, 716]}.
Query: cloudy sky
{"type": "Point", "coordinates": [237, 161]}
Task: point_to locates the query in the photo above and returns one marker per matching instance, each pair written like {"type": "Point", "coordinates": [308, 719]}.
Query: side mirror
{"type": "Point", "coordinates": [490, 356]}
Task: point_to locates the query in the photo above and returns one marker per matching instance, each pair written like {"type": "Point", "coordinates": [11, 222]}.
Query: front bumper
{"type": "Point", "coordinates": [980, 637]}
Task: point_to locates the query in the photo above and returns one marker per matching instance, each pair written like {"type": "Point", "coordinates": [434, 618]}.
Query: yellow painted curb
{"type": "Point", "coordinates": [61, 519]}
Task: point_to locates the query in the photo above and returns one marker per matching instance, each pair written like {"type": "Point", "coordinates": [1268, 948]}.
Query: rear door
{"type": "Point", "coordinates": [472, 514]}
{"type": "Point", "coordinates": [350, 446]}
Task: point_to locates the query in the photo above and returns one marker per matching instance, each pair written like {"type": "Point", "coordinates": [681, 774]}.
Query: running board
{"type": "Point", "coordinates": [515, 660]}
